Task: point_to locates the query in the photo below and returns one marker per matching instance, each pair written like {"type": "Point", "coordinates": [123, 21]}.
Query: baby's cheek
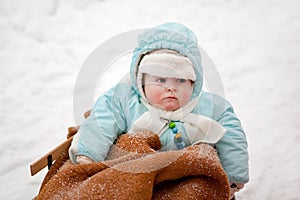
{"type": "Point", "coordinates": [185, 97]}
{"type": "Point", "coordinates": [153, 97]}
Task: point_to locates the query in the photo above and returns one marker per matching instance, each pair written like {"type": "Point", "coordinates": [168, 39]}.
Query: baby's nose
{"type": "Point", "coordinates": [171, 88]}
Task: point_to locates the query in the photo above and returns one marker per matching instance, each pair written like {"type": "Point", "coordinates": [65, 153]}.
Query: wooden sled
{"type": "Point", "coordinates": [51, 156]}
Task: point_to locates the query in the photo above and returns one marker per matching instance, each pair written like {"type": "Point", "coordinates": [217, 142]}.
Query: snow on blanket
{"type": "Point", "coordinates": [136, 169]}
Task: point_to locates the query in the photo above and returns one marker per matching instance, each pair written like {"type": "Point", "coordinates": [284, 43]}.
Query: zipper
{"type": "Point", "coordinates": [165, 127]}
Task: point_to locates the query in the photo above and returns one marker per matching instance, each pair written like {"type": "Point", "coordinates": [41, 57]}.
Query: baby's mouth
{"type": "Point", "coordinates": [171, 97]}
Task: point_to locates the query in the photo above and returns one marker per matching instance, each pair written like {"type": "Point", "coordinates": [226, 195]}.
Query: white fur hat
{"type": "Point", "coordinates": [167, 64]}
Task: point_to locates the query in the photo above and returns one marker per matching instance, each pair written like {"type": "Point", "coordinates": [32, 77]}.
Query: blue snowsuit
{"type": "Point", "coordinates": [117, 109]}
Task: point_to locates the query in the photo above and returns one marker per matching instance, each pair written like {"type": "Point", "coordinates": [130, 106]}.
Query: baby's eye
{"type": "Point", "coordinates": [161, 80]}
{"type": "Point", "coordinates": [181, 80]}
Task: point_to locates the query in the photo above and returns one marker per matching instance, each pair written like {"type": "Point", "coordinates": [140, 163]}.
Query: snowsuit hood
{"type": "Point", "coordinates": [172, 36]}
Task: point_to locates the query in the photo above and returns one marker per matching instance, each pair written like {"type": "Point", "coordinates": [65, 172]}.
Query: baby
{"type": "Point", "coordinates": [165, 96]}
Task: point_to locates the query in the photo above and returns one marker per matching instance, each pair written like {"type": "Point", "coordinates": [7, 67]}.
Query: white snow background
{"type": "Point", "coordinates": [255, 46]}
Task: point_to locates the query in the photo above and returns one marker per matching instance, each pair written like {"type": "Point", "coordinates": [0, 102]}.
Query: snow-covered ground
{"type": "Point", "coordinates": [255, 46]}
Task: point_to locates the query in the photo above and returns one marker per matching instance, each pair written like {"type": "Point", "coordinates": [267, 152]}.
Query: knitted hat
{"type": "Point", "coordinates": [167, 64]}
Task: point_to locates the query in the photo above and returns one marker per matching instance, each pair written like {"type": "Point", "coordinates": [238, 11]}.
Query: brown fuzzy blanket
{"type": "Point", "coordinates": [136, 170]}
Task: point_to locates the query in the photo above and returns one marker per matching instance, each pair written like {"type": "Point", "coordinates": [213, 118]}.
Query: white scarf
{"type": "Point", "coordinates": [198, 127]}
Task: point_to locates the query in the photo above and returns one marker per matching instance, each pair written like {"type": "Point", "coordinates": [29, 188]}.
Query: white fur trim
{"type": "Point", "coordinates": [198, 127]}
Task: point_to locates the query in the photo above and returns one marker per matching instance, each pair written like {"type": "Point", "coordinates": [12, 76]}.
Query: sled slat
{"type": "Point", "coordinates": [42, 162]}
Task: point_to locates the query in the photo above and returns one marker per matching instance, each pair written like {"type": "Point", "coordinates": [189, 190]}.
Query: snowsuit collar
{"type": "Point", "coordinates": [198, 127]}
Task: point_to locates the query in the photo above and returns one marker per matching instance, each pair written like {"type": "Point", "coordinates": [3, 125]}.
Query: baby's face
{"type": "Point", "coordinates": [167, 93]}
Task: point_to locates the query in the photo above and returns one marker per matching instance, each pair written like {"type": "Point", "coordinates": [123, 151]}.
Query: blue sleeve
{"type": "Point", "coordinates": [232, 148]}
{"type": "Point", "coordinates": [101, 128]}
